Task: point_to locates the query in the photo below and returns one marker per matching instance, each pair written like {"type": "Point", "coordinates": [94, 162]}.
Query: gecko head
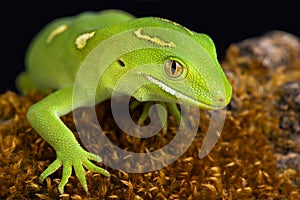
{"type": "Point", "coordinates": [181, 82]}
{"type": "Point", "coordinates": [178, 66]}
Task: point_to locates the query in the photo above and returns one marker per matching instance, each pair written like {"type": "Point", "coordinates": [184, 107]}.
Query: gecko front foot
{"type": "Point", "coordinates": [77, 157]}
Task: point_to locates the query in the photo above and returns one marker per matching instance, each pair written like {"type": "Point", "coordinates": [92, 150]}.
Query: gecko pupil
{"type": "Point", "coordinates": [173, 69]}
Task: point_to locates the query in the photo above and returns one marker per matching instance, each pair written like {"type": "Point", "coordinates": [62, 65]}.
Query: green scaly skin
{"type": "Point", "coordinates": [55, 56]}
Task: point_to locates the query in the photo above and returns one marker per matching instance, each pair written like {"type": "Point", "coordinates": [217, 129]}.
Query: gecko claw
{"type": "Point", "coordinates": [78, 158]}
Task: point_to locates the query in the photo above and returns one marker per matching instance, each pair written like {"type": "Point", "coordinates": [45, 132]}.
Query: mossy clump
{"type": "Point", "coordinates": [244, 164]}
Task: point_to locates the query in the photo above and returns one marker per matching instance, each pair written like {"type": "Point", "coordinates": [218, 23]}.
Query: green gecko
{"type": "Point", "coordinates": [178, 72]}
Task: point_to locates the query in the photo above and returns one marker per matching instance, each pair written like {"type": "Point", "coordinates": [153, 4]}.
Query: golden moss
{"type": "Point", "coordinates": [242, 165]}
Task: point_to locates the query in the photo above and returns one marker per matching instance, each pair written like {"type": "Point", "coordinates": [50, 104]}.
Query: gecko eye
{"type": "Point", "coordinates": [173, 69]}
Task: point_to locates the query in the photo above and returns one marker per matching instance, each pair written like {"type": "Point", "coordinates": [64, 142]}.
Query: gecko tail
{"type": "Point", "coordinates": [23, 83]}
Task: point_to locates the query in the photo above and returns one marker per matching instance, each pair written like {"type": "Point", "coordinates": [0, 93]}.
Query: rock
{"type": "Point", "coordinates": [289, 104]}
{"type": "Point", "coordinates": [265, 53]}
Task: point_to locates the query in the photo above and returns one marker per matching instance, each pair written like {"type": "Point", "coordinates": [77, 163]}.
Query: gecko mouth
{"type": "Point", "coordinates": [180, 96]}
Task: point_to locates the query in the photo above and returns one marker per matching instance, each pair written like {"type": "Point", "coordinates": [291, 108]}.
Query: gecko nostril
{"type": "Point", "coordinates": [220, 100]}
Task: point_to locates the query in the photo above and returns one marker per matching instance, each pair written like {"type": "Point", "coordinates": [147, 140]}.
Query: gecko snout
{"type": "Point", "coordinates": [222, 99]}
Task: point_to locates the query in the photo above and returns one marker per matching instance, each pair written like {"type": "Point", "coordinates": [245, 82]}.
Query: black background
{"type": "Point", "coordinates": [226, 22]}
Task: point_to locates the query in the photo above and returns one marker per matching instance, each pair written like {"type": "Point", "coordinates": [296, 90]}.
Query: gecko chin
{"type": "Point", "coordinates": [184, 99]}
